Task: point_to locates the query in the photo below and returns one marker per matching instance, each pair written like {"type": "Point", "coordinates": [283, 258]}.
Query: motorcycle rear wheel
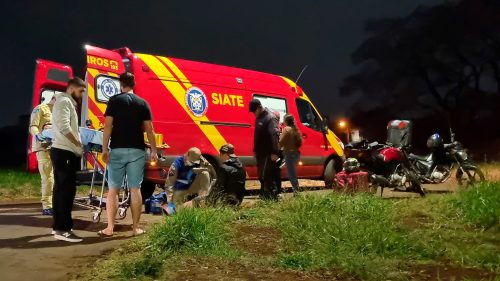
{"type": "Point", "coordinates": [471, 176]}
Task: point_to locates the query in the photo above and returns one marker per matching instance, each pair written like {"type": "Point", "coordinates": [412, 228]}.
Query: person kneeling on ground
{"type": "Point", "coordinates": [190, 174]}
{"type": "Point", "coordinates": [229, 188]}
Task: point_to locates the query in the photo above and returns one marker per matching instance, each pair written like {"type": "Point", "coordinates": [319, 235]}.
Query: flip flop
{"type": "Point", "coordinates": [102, 234]}
{"type": "Point", "coordinates": [139, 231]}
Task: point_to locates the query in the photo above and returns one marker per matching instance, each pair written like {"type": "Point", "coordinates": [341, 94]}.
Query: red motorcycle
{"type": "Point", "coordinates": [388, 164]}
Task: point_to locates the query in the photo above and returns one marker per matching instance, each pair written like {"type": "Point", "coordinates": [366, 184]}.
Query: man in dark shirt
{"type": "Point", "coordinates": [127, 117]}
{"type": "Point", "coordinates": [265, 147]}
{"type": "Point", "coordinates": [229, 189]}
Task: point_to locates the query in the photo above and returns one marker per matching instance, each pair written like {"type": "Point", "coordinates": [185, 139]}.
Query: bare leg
{"type": "Point", "coordinates": [111, 207]}
{"type": "Point", "coordinates": [136, 208]}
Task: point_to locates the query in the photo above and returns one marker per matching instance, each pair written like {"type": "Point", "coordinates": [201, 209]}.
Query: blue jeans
{"type": "Point", "coordinates": [291, 160]}
{"type": "Point", "coordinates": [128, 162]}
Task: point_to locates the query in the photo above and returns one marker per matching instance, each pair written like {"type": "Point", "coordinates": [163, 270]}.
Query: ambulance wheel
{"type": "Point", "coordinates": [329, 174]}
{"type": "Point", "coordinates": [147, 189]}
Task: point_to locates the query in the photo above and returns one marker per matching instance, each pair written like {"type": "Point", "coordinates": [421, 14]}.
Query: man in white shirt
{"type": "Point", "coordinates": [66, 154]}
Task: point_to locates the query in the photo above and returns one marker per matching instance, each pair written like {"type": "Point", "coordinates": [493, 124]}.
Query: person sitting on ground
{"type": "Point", "coordinates": [190, 174]}
{"type": "Point", "coordinates": [229, 188]}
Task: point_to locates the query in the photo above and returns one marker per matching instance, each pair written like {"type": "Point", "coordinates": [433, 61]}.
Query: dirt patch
{"type": "Point", "coordinates": [256, 240]}
{"type": "Point", "coordinates": [202, 269]}
{"type": "Point", "coordinates": [416, 220]}
{"type": "Point", "coordinates": [450, 273]}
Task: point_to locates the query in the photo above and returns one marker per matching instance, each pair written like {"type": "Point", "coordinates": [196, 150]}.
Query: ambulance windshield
{"type": "Point", "coordinates": [308, 116]}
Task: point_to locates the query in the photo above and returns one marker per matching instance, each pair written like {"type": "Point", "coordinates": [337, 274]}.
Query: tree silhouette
{"type": "Point", "coordinates": [441, 59]}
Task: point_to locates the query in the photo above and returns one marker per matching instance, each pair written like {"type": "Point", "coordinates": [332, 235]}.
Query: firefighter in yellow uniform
{"type": "Point", "coordinates": [40, 120]}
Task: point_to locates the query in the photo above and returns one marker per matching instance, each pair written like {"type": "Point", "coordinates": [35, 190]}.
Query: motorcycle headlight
{"type": "Point", "coordinates": [462, 155]}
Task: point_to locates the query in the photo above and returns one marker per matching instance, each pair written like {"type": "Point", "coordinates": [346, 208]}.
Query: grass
{"type": "Point", "coordinates": [481, 205]}
{"type": "Point", "coordinates": [358, 234]}
{"type": "Point", "coordinates": [190, 232]}
{"type": "Point", "coordinates": [16, 183]}
{"type": "Point", "coordinates": [362, 236]}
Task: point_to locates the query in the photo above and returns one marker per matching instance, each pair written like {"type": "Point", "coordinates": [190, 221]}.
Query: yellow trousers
{"type": "Point", "coordinates": [47, 176]}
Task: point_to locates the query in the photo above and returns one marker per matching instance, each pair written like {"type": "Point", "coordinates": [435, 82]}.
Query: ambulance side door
{"type": "Point", "coordinates": [313, 150]}
{"type": "Point", "coordinates": [50, 77]}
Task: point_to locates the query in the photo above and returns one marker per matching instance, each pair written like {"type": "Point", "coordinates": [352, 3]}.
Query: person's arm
{"type": "Point", "coordinates": [35, 122]}
{"type": "Point", "coordinates": [147, 118]}
{"type": "Point", "coordinates": [63, 122]}
{"type": "Point", "coordinates": [284, 135]}
{"type": "Point", "coordinates": [272, 128]}
{"type": "Point", "coordinates": [148, 127]}
{"type": "Point", "coordinates": [106, 135]}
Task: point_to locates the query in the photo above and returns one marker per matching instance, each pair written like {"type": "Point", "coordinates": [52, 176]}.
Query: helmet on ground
{"type": "Point", "coordinates": [434, 141]}
{"type": "Point", "coordinates": [351, 165]}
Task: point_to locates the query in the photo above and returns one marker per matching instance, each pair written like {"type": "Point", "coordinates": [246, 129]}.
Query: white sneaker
{"type": "Point", "coordinates": [67, 236]}
{"type": "Point", "coordinates": [54, 232]}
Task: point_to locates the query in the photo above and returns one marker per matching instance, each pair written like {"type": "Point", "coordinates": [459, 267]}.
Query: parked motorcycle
{"type": "Point", "coordinates": [437, 166]}
{"type": "Point", "coordinates": [388, 165]}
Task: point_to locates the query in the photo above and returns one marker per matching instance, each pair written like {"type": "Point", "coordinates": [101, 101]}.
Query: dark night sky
{"type": "Point", "coordinates": [272, 36]}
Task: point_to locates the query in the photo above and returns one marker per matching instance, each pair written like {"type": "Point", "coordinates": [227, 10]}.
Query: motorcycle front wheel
{"type": "Point", "coordinates": [467, 176]}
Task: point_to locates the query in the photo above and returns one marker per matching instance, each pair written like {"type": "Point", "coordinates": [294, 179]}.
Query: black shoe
{"type": "Point", "coordinates": [67, 236]}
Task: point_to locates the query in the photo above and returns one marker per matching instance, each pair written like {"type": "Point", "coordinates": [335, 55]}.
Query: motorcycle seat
{"type": "Point", "coordinates": [419, 157]}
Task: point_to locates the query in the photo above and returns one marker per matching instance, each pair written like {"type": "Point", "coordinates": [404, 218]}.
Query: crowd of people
{"type": "Point", "coordinates": [191, 182]}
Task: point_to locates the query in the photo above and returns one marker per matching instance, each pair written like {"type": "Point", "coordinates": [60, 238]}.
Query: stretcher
{"type": "Point", "coordinates": [92, 146]}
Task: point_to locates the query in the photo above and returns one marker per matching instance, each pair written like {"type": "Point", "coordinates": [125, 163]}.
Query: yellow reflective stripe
{"type": "Point", "coordinates": [91, 91]}
{"type": "Point", "coordinates": [113, 74]}
{"type": "Point", "coordinates": [332, 139]}
{"type": "Point", "coordinates": [176, 71]}
{"type": "Point", "coordinates": [96, 123]}
{"type": "Point", "coordinates": [178, 92]}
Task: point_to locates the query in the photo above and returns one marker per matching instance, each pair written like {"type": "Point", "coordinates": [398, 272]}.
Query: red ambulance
{"type": "Point", "coordinates": [196, 104]}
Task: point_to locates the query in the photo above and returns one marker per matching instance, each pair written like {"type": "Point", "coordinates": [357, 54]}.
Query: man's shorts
{"type": "Point", "coordinates": [128, 162]}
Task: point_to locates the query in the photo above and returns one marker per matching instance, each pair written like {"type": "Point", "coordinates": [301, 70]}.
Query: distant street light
{"type": "Point", "coordinates": [345, 126]}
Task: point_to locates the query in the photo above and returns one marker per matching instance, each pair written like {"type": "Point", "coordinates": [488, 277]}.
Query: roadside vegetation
{"type": "Point", "coordinates": [333, 237]}
{"type": "Point", "coordinates": [16, 183]}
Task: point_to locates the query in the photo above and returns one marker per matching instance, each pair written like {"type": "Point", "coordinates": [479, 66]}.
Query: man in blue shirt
{"type": "Point", "coordinates": [188, 175]}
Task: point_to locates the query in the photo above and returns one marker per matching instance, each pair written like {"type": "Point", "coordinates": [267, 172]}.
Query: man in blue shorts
{"type": "Point", "coordinates": [127, 117]}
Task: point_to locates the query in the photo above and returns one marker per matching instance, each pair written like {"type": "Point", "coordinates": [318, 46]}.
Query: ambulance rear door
{"type": "Point", "coordinates": [50, 77]}
{"type": "Point", "coordinates": [101, 76]}
{"type": "Point", "coordinates": [103, 68]}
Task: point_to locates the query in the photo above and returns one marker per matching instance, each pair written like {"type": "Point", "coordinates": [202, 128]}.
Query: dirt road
{"type": "Point", "coordinates": [29, 252]}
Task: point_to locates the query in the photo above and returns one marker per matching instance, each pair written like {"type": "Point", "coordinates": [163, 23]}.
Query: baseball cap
{"type": "Point", "coordinates": [254, 104]}
{"type": "Point", "coordinates": [227, 149]}
{"type": "Point", "coordinates": [193, 155]}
